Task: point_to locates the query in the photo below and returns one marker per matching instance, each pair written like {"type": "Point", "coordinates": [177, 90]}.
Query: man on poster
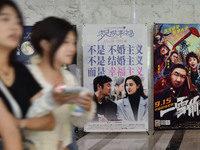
{"type": "Point", "coordinates": [170, 88]}
{"type": "Point", "coordinates": [174, 84]}
{"type": "Point", "coordinates": [106, 109]}
{"type": "Point", "coordinates": [173, 58]}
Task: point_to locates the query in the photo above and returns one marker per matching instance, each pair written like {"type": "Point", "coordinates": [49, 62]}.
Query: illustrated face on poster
{"type": "Point", "coordinates": [174, 58]}
{"type": "Point", "coordinates": [176, 76]}
{"type": "Point", "coordinates": [192, 62]}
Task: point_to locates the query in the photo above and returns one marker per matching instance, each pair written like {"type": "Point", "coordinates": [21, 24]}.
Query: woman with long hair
{"type": "Point", "coordinates": [16, 79]}
{"type": "Point", "coordinates": [161, 53]}
{"type": "Point", "coordinates": [134, 107]}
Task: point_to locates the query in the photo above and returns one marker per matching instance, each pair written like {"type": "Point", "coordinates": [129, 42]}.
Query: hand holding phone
{"type": "Point", "coordinates": [62, 94]}
{"type": "Point", "coordinates": [74, 91]}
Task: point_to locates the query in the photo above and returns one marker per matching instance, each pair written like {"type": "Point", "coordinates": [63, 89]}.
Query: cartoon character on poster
{"type": "Point", "coordinates": [176, 75]}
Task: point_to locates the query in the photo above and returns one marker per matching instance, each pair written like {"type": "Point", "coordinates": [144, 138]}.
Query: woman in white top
{"type": "Point", "coordinates": [55, 41]}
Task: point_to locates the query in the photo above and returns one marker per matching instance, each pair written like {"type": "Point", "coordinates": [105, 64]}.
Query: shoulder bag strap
{"type": "Point", "coordinates": [14, 105]}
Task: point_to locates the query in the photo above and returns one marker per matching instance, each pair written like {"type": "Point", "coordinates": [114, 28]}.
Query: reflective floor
{"type": "Point", "coordinates": [159, 140]}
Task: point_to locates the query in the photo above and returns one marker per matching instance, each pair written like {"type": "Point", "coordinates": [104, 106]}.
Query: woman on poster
{"type": "Point", "coordinates": [134, 107]}
{"type": "Point", "coordinates": [161, 54]}
{"type": "Point", "coordinates": [192, 62]}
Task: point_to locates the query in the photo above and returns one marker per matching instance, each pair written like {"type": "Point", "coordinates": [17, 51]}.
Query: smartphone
{"type": "Point", "coordinates": [74, 91]}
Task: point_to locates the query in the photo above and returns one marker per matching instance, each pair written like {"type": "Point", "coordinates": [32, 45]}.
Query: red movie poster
{"type": "Point", "coordinates": [176, 49]}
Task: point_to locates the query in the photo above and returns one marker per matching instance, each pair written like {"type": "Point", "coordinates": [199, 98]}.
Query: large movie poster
{"type": "Point", "coordinates": [115, 70]}
{"type": "Point", "coordinates": [176, 76]}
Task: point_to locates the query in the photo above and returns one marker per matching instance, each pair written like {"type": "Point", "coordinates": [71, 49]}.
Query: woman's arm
{"type": "Point", "coordinates": [8, 130]}
{"type": "Point", "coordinates": [39, 112]}
{"type": "Point", "coordinates": [85, 101]}
{"type": "Point", "coordinates": [43, 103]}
{"type": "Point", "coordinates": [44, 123]}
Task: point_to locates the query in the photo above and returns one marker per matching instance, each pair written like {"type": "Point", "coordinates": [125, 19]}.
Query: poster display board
{"type": "Point", "coordinates": [116, 52]}
{"type": "Point", "coordinates": [176, 76]}
{"type": "Point", "coordinates": [25, 49]}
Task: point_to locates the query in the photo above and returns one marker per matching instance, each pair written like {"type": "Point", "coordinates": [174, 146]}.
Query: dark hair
{"type": "Point", "coordinates": [182, 66]}
{"type": "Point", "coordinates": [174, 52]}
{"type": "Point", "coordinates": [3, 3]}
{"type": "Point", "coordinates": [100, 80]}
{"type": "Point", "coordinates": [191, 54]}
{"type": "Point", "coordinates": [178, 65]}
{"type": "Point", "coordinates": [137, 81]}
{"type": "Point", "coordinates": [157, 58]}
{"type": "Point", "coordinates": [52, 29]}
{"type": "Point", "coordinates": [160, 49]}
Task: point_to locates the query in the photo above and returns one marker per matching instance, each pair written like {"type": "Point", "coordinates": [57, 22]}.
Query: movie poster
{"type": "Point", "coordinates": [115, 70]}
{"type": "Point", "coordinates": [176, 76]}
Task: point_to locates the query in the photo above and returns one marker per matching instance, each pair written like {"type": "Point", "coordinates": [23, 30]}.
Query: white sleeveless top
{"type": "Point", "coordinates": [48, 140]}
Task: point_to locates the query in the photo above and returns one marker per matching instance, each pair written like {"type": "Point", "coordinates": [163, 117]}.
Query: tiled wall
{"type": "Point", "coordinates": [81, 12]}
